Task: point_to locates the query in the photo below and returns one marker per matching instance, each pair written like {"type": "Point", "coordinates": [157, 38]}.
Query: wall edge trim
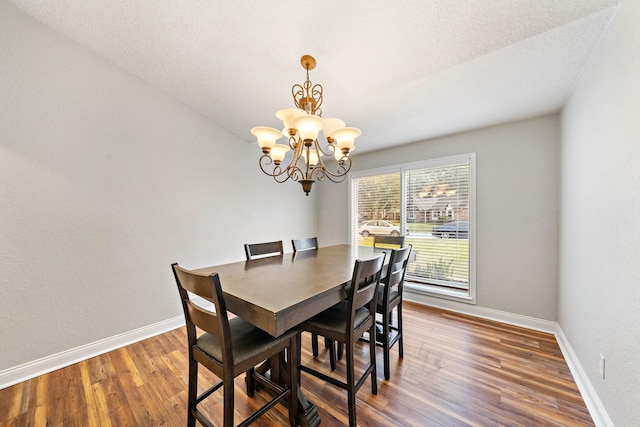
{"type": "Point", "coordinates": [29, 370]}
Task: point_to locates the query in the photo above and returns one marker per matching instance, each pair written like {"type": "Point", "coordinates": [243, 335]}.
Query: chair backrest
{"type": "Point", "coordinates": [216, 323]}
{"type": "Point", "coordinates": [261, 250]}
{"type": "Point", "coordinates": [304, 244]}
{"type": "Point", "coordinates": [396, 270]}
{"type": "Point", "coordinates": [364, 285]}
{"type": "Point", "coordinates": [388, 241]}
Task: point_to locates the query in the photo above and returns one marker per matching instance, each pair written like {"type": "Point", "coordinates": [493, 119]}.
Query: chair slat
{"type": "Point", "coordinates": [388, 241]}
{"type": "Point", "coordinates": [304, 244]}
{"type": "Point", "coordinates": [259, 250]}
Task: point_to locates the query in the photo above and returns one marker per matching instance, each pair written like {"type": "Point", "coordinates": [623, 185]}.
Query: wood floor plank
{"type": "Point", "coordinates": [13, 404]}
{"type": "Point", "coordinates": [89, 396]}
{"type": "Point", "coordinates": [102, 408]}
{"type": "Point", "coordinates": [458, 370]}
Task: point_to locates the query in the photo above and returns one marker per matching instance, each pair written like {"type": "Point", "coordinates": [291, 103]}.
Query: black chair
{"type": "Point", "coordinates": [263, 250]}
{"type": "Point", "coordinates": [346, 322]}
{"type": "Point", "coordinates": [388, 242]}
{"type": "Point", "coordinates": [228, 348]}
{"type": "Point", "coordinates": [304, 244]}
{"type": "Point", "coordinates": [390, 297]}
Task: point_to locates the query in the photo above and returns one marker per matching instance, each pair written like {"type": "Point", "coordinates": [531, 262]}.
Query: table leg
{"type": "Point", "coordinates": [307, 412]}
{"type": "Point", "coordinates": [277, 367]}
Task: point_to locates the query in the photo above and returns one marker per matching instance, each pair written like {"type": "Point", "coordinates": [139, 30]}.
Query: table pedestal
{"type": "Point", "coordinates": [307, 412]}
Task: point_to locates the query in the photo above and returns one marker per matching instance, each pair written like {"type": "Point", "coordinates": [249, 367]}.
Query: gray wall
{"type": "Point", "coordinates": [599, 294]}
{"type": "Point", "coordinates": [517, 209]}
{"type": "Point", "coordinates": [104, 181]}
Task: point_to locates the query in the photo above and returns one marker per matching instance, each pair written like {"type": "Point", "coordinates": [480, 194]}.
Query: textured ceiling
{"type": "Point", "coordinates": [401, 71]}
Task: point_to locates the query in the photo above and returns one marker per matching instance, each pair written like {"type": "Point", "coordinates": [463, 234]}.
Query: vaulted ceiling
{"type": "Point", "coordinates": [401, 71]}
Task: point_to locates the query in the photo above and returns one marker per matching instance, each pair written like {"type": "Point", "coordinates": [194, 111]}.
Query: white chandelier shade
{"type": "Point", "coordinates": [267, 136]}
{"type": "Point", "coordinates": [330, 126]}
{"type": "Point", "coordinates": [345, 138]}
{"type": "Point", "coordinates": [308, 127]}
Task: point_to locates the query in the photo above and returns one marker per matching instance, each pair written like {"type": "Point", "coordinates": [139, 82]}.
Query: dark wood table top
{"type": "Point", "coordinates": [278, 293]}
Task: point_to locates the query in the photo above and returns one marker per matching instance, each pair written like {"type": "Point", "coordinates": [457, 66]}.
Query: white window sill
{"type": "Point", "coordinates": [460, 295]}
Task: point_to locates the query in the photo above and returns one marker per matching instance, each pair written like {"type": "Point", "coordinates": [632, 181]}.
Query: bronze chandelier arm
{"type": "Point", "coordinates": [280, 174]}
{"type": "Point", "coordinates": [295, 173]}
{"type": "Point", "coordinates": [321, 171]}
{"type": "Point", "coordinates": [277, 171]}
{"type": "Point", "coordinates": [325, 153]}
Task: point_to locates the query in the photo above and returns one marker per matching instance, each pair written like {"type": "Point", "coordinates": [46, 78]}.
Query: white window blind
{"type": "Point", "coordinates": [438, 199]}
{"type": "Point", "coordinates": [431, 203]}
{"type": "Point", "coordinates": [376, 207]}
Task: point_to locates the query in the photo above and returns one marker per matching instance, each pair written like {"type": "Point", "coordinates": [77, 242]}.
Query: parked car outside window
{"type": "Point", "coordinates": [380, 228]}
{"type": "Point", "coordinates": [454, 230]}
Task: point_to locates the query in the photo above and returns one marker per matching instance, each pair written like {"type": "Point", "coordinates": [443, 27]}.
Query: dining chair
{"type": "Point", "coordinates": [256, 251]}
{"type": "Point", "coordinates": [388, 241]}
{"type": "Point", "coordinates": [304, 244]}
{"type": "Point", "coordinates": [346, 322]}
{"type": "Point", "coordinates": [263, 250]}
{"type": "Point", "coordinates": [308, 244]}
{"type": "Point", "coordinates": [229, 347]}
{"type": "Point", "coordinates": [390, 297]}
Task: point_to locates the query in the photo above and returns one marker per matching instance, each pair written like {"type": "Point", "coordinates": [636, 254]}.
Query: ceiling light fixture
{"type": "Point", "coordinates": [302, 125]}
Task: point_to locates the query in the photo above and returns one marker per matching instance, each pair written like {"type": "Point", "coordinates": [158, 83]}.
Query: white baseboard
{"type": "Point", "coordinates": [29, 370]}
{"type": "Point", "coordinates": [482, 312]}
{"type": "Point", "coordinates": [588, 393]}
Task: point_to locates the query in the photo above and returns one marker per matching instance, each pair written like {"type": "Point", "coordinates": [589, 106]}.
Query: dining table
{"type": "Point", "coordinates": [277, 293]}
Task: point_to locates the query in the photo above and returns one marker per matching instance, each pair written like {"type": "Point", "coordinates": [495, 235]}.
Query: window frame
{"type": "Point", "coordinates": [466, 296]}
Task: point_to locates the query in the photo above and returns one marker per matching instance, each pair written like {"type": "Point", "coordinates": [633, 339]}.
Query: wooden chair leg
{"type": "Point", "coordinates": [192, 393]}
{"type": "Point", "coordinates": [386, 331]}
{"type": "Point", "coordinates": [351, 386]}
{"type": "Point", "coordinates": [332, 355]}
{"type": "Point", "coordinates": [250, 380]}
{"type": "Point", "coordinates": [228, 401]}
{"type": "Point", "coordinates": [400, 346]}
{"type": "Point", "coordinates": [298, 362]}
{"type": "Point", "coordinates": [340, 350]}
{"type": "Point", "coordinates": [314, 344]}
{"type": "Point", "coordinates": [372, 360]}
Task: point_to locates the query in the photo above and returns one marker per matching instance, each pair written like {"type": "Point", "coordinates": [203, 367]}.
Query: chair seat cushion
{"type": "Point", "coordinates": [247, 340]}
{"type": "Point", "coordinates": [334, 319]}
{"type": "Point", "coordinates": [393, 295]}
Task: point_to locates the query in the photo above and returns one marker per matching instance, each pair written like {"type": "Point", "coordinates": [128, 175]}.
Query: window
{"type": "Point", "coordinates": [432, 204]}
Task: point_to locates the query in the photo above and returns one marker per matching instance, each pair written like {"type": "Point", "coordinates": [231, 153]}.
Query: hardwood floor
{"type": "Point", "coordinates": [457, 371]}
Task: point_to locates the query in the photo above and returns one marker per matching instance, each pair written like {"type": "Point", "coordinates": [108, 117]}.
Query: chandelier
{"type": "Point", "coordinates": [302, 126]}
